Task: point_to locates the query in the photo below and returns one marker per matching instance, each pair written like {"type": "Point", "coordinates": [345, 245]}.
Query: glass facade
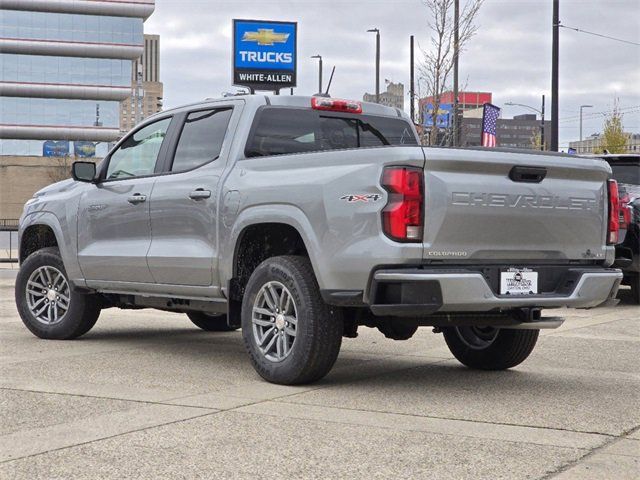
{"type": "Point", "coordinates": [64, 70]}
{"type": "Point", "coordinates": [39, 148]}
{"type": "Point", "coordinates": [70, 27]}
{"type": "Point", "coordinates": [65, 66]}
{"type": "Point", "coordinates": [59, 112]}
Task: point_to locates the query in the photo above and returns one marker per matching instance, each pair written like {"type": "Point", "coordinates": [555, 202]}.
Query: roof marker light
{"type": "Point", "coordinates": [336, 105]}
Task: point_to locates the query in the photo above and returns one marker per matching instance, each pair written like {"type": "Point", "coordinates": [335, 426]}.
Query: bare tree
{"type": "Point", "coordinates": [437, 63]}
{"type": "Point", "coordinates": [60, 169]}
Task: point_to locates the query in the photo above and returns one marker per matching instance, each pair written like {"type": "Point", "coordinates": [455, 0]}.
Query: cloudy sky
{"type": "Point", "coordinates": [510, 55]}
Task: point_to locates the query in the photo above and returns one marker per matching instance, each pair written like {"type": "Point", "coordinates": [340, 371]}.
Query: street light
{"type": "Point", "coordinates": [581, 107]}
{"type": "Point", "coordinates": [541, 112]}
{"type": "Point", "coordinates": [319, 57]}
{"type": "Point", "coordinates": [377, 32]}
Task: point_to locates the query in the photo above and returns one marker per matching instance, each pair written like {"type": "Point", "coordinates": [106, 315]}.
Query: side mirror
{"type": "Point", "coordinates": [84, 171]}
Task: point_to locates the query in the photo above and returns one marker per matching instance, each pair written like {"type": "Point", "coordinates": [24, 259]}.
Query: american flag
{"type": "Point", "coordinates": [490, 116]}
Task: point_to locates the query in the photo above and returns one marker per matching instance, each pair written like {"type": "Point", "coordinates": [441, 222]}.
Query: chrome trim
{"type": "Point", "coordinates": [469, 292]}
{"type": "Point", "coordinates": [120, 8]}
{"type": "Point", "coordinates": [36, 132]}
{"type": "Point", "coordinates": [66, 91]}
{"type": "Point", "coordinates": [70, 49]}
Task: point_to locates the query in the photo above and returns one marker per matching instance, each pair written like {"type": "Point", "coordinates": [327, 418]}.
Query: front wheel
{"type": "Point", "coordinates": [291, 335]}
{"type": "Point", "coordinates": [489, 348]}
{"type": "Point", "coordinates": [48, 305]}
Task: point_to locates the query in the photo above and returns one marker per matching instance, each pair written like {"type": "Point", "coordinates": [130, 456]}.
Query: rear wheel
{"type": "Point", "coordinates": [635, 289]}
{"type": "Point", "coordinates": [47, 304]}
{"type": "Point", "coordinates": [209, 322]}
{"type": "Point", "coordinates": [489, 348]}
{"type": "Point", "coordinates": [291, 335]}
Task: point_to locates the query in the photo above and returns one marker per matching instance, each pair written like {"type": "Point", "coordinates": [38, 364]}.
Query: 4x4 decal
{"type": "Point", "coordinates": [373, 197]}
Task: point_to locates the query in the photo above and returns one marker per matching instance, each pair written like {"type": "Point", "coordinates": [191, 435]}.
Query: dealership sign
{"type": "Point", "coordinates": [264, 54]}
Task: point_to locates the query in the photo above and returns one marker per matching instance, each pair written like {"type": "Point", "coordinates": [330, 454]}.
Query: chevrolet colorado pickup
{"type": "Point", "coordinates": [299, 219]}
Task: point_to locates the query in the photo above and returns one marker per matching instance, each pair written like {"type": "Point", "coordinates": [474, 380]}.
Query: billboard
{"type": "Point", "coordinates": [443, 118]}
{"type": "Point", "coordinates": [264, 54]}
{"type": "Point", "coordinates": [84, 149]}
{"type": "Point", "coordinates": [55, 148]}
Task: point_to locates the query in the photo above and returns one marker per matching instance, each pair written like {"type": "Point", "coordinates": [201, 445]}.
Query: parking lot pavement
{"type": "Point", "coordinates": [147, 395]}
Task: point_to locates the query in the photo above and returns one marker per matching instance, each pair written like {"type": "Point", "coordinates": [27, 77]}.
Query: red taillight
{"type": "Point", "coordinates": [614, 213]}
{"type": "Point", "coordinates": [336, 105]}
{"type": "Point", "coordinates": [625, 210]}
{"type": "Point", "coordinates": [402, 218]}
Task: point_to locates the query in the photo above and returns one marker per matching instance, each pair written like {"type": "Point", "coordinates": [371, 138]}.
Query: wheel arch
{"type": "Point", "coordinates": [296, 237]}
{"type": "Point", "coordinates": [43, 229]}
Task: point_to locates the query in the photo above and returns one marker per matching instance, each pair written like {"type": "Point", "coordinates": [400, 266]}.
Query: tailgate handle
{"type": "Point", "coordinates": [527, 174]}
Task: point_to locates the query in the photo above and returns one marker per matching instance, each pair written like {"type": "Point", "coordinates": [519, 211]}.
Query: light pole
{"type": "Point", "coordinates": [555, 69]}
{"type": "Point", "coordinates": [541, 112]}
{"type": "Point", "coordinates": [319, 57]}
{"type": "Point", "coordinates": [581, 107]}
{"type": "Point", "coordinates": [377, 32]}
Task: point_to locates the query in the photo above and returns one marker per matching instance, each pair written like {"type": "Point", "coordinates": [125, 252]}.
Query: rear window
{"type": "Point", "coordinates": [281, 131]}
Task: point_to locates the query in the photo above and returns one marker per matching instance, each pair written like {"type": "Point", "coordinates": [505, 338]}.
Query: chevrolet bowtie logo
{"type": "Point", "coordinates": [265, 36]}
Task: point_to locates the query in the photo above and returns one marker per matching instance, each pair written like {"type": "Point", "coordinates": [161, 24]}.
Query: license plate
{"type": "Point", "coordinates": [518, 281]}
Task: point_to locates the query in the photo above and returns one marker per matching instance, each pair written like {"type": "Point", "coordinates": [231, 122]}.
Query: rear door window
{"type": "Point", "coordinates": [201, 139]}
{"type": "Point", "coordinates": [281, 131]}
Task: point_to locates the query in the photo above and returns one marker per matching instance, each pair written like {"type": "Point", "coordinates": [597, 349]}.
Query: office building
{"type": "Point", "coordinates": [146, 89]}
{"type": "Point", "coordinates": [392, 97]}
{"type": "Point", "coordinates": [65, 66]}
{"type": "Point", "coordinates": [594, 144]}
{"type": "Point", "coordinates": [517, 132]}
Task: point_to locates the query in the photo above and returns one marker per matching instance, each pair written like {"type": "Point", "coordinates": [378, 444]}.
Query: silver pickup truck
{"type": "Point", "coordinates": [299, 219]}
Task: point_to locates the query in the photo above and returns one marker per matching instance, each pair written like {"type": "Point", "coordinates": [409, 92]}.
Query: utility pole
{"type": "Point", "coordinates": [581, 107]}
{"type": "Point", "coordinates": [377, 32]}
{"type": "Point", "coordinates": [555, 50]}
{"type": "Point", "coordinates": [542, 125]}
{"type": "Point", "coordinates": [412, 87]}
{"type": "Point", "coordinates": [319, 57]}
{"type": "Point", "coordinates": [456, 51]}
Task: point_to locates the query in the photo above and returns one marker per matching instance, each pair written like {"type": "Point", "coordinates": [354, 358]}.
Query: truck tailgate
{"type": "Point", "coordinates": [475, 211]}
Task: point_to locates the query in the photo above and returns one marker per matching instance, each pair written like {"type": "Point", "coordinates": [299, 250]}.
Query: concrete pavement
{"type": "Point", "coordinates": [147, 395]}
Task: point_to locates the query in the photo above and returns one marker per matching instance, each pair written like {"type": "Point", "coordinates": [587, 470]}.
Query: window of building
{"type": "Point", "coordinates": [70, 27]}
{"type": "Point", "coordinates": [138, 154]}
{"type": "Point", "coordinates": [59, 112]}
{"type": "Point", "coordinates": [68, 70]}
{"type": "Point", "coordinates": [201, 139]}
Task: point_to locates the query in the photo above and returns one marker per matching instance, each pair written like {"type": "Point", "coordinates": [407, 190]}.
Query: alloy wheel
{"type": "Point", "coordinates": [275, 320]}
{"type": "Point", "coordinates": [48, 295]}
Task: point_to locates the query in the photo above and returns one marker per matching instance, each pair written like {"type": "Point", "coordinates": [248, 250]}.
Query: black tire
{"type": "Point", "coordinates": [209, 322]}
{"type": "Point", "coordinates": [318, 328]}
{"type": "Point", "coordinates": [496, 349]}
{"type": "Point", "coordinates": [635, 289]}
{"type": "Point", "coordinates": [83, 310]}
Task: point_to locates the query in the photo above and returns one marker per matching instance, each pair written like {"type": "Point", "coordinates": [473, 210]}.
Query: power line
{"type": "Point", "coordinates": [626, 110]}
{"type": "Point", "coordinates": [601, 35]}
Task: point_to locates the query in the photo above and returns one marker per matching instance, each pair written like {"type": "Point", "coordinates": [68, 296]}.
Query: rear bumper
{"type": "Point", "coordinates": [421, 292]}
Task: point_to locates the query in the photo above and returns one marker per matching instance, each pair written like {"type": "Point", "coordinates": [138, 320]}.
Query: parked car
{"type": "Point", "coordinates": [300, 219]}
{"type": "Point", "coordinates": [626, 170]}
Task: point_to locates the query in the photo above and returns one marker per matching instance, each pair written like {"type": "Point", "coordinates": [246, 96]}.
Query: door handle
{"type": "Point", "coordinates": [527, 174]}
{"type": "Point", "coordinates": [136, 198]}
{"type": "Point", "coordinates": [199, 194]}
